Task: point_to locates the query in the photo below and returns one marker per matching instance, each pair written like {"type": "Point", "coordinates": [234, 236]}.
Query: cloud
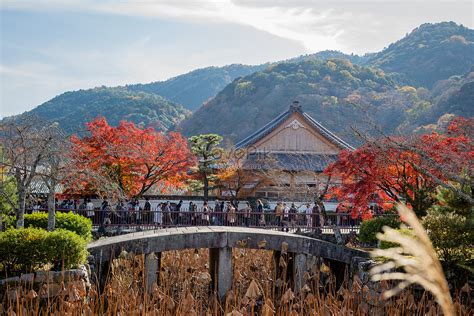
{"type": "Point", "coordinates": [316, 29]}
{"type": "Point", "coordinates": [346, 25]}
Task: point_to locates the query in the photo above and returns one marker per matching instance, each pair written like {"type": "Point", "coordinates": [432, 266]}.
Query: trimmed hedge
{"type": "Point", "coordinates": [29, 249]}
{"type": "Point", "coordinates": [369, 228]}
{"type": "Point", "coordinates": [69, 221]}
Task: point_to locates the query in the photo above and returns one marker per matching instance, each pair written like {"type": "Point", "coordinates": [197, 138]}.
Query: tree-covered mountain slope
{"type": "Point", "coordinates": [430, 53]}
{"type": "Point", "coordinates": [194, 88]}
{"type": "Point", "coordinates": [339, 94]}
{"type": "Point", "coordinates": [73, 109]}
{"type": "Point", "coordinates": [331, 54]}
{"type": "Point", "coordinates": [448, 98]}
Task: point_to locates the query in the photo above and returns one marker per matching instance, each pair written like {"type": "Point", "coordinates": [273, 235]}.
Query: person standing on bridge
{"type": "Point", "coordinates": [230, 214]}
{"type": "Point", "coordinates": [260, 213]}
{"type": "Point", "coordinates": [216, 214]}
{"type": "Point", "coordinates": [316, 218]}
{"type": "Point", "coordinates": [103, 210]}
{"type": "Point", "coordinates": [286, 216]}
{"type": "Point", "coordinates": [147, 211]}
{"type": "Point", "coordinates": [279, 214]}
{"type": "Point", "coordinates": [158, 215]}
{"type": "Point", "coordinates": [90, 209]}
{"type": "Point", "coordinates": [309, 216]}
{"type": "Point", "coordinates": [167, 212]}
{"type": "Point", "coordinates": [205, 216]}
{"type": "Point", "coordinates": [194, 213]}
{"type": "Point", "coordinates": [223, 217]}
{"type": "Point", "coordinates": [247, 210]}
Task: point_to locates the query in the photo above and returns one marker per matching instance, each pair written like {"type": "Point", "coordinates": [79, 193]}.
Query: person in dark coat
{"type": "Point", "coordinates": [216, 214]}
{"type": "Point", "coordinates": [177, 212]}
{"type": "Point", "coordinates": [316, 218]}
{"type": "Point", "coordinates": [147, 211]}
{"type": "Point", "coordinates": [104, 207]}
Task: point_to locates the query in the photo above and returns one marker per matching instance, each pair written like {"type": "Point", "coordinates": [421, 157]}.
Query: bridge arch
{"type": "Point", "coordinates": [220, 240]}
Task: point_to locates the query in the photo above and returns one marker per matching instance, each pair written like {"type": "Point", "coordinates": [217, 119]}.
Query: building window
{"type": "Point", "coordinates": [260, 194]}
{"type": "Point", "coordinates": [272, 194]}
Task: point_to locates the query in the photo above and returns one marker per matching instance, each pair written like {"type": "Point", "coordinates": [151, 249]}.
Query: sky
{"type": "Point", "coordinates": [52, 46]}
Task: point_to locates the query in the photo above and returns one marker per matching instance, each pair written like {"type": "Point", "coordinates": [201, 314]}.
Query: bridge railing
{"type": "Point", "coordinates": [154, 219]}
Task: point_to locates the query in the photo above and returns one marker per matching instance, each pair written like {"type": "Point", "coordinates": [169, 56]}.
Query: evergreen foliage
{"type": "Point", "coordinates": [369, 228]}
{"type": "Point", "coordinates": [30, 249]}
{"type": "Point", "coordinates": [72, 110]}
{"type": "Point", "coordinates": [67, 221]}
{"type": "Point", "coordinates": [431, 52]}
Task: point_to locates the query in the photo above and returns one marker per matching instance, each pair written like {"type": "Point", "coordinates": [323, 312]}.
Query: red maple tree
{"type": "Point", "coordinates": [127, 159]}
{"type": "Point", "coordinates": [408, 169]}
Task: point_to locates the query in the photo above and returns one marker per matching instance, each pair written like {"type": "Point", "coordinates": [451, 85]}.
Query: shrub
{"type": "Point", "coordinates": [65, 248]}
{"type": "Point", "coordinates": [452, 236]}
{"type": "Point", "coordinates": [8, 221]}
{"type": "Point", "coordinates": [369, 228]}
{"type": "Point", "coordinates": [29, 249]}
{"type": "Point", "coordinates": [68, 221]}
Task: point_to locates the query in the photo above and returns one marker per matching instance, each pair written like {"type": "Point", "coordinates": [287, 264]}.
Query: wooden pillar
{"type": "Point", "coordinates": [338, 269]}
{"type": "Point", "coordinates": [152, 270]}
{"type": "Point", "coordinates": [299, 268]}
{"type": "Point", "coordinates": [220, 269]}
{"type": "Point", "coordinates": [101, 271]}
{"type": "Point", "coordinates": [293, 274]}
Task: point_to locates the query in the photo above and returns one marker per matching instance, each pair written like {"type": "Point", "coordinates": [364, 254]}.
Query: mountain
{"type": "Point", "coordinates": [194, 88]}
{"type": "Point", "coordinates": [430, 53]}
{"type": "Point", "coordinates": [331, 54]}
{"type": "Point", "coordinates": [335, 92]}
{"type": "Point", "coordinates": [73, 109]}
{"type": "Point", "coordinates": [411, 83]}
{"type": "Point", "coordinates": [450, 97]}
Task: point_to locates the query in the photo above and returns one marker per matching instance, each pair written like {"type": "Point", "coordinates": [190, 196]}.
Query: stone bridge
{"type": "Point", "coordinates": [220, 241]}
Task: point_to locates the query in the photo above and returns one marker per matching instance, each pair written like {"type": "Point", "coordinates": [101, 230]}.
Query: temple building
{"type": "Point", "coordinates": [284, 160]}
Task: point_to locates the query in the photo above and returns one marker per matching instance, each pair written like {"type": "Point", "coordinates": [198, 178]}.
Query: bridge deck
{"type": "Point", "coordinates": [219, 237]}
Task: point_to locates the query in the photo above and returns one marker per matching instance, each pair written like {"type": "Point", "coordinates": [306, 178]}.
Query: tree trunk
{"type": "Point", "coordinates": [51, 210]}
{"type": "Point", "coordinates": [335, 228]}
{"type": "Point", "coordinates": [20, 212]}
{"type": "Point", "coordinates": [206, 188]}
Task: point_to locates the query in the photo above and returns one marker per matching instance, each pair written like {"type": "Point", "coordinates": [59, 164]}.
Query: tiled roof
{"type": "Point", "coordinates": [289, 161]}
{"type": "Point", "coordinates": [272, 125]}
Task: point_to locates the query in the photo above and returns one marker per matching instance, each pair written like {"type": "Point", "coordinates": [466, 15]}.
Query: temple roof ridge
{"type": "Point", "coordinates": [295, 107]}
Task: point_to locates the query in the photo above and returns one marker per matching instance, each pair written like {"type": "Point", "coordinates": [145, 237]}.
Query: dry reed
{"type": "Point", "coordinates": [418, 259]}
{"type": "Point", "coordinates": [184, 290]}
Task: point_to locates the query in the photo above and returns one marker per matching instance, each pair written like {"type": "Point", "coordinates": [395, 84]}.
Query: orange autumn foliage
{"type": "Point", "coordinates": [133, 159]}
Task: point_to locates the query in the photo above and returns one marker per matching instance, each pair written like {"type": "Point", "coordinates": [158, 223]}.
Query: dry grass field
{"type": "Point", "coordinates": [184, 290]}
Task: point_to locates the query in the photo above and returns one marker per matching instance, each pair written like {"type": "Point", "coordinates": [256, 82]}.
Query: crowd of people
{"type": "Point", "coordinates": [218, 212]}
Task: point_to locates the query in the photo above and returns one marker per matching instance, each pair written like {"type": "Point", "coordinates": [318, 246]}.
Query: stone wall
{"type": "Point", "coordinates": [73, 284]}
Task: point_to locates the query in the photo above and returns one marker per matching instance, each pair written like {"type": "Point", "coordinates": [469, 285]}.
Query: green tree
{"type": "Point", "coordinates": [450, 226]}
{"type": "Point", "coordinates": [208, 153]}
{"type": "Point", "coordinates": [8, 197]}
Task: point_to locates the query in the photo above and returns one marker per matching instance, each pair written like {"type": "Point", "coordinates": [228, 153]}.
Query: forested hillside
{"type": "Point", "coordinates": [335, 92]}
{"type": "Point", "coordinates": [73, 109]}
{"type": "Point", "coordinates": [328, 54]}
{"type": "Point", "coordinates": [198, 86]}
{"type": "Point", "coordinates": [448, 98]}
{"type": "Point", "coordinates": [430, 53]}
{"type": "Point", "coordinates": [342, 96]}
